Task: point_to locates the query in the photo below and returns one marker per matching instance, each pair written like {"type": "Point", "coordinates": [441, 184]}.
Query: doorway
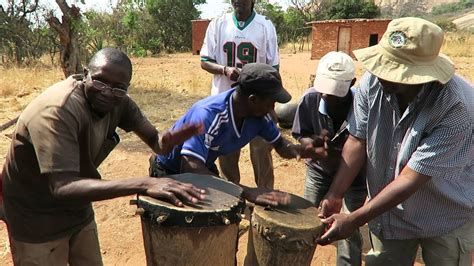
{"type": "Point", "coordinates": [373, 39]}
{"type": "Point", "coordinates": [344, 40]}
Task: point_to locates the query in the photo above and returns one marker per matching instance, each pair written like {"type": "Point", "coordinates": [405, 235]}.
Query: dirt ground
{"type": "Point", "coordinates": [165, 87]}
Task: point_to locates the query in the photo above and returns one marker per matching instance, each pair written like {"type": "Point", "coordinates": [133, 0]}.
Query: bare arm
{"type": "Point", "coordinates": [400, 189]}
{"type": "Point", "coordinates": [353, 159]}
{"type": "Point", "coordinates": [68, 186]}
{"type": "Point", "coordinates": [214, 68]}
{"type": "Point", "coordinates": [288, 150]}
{"type": "Point", "coordinates": [190, 164]}
{"type": "Point", "coordinates": [164, 143]}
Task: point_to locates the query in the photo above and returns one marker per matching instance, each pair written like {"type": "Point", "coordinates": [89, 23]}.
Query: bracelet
{"type": "Point", "coordinates": [224, 71]}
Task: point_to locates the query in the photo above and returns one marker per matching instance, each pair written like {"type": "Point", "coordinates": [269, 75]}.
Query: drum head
{"type": "Point", "coordinates": [299, 214]}
{"type": "Point", "coordinates": [222, 205]}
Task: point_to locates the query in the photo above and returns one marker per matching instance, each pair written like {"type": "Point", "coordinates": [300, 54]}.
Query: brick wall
{"type": "Point", "coordinates": [325, 34]}
{"type": "Point", "coordinates": [199, 28]}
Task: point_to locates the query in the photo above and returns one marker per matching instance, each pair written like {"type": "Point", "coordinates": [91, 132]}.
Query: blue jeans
{"type": "Point", "coordinates": [317, 183]}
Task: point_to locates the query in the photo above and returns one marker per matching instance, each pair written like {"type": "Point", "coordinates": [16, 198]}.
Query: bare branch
{"type": "Point", "coordinates": [58, 27]}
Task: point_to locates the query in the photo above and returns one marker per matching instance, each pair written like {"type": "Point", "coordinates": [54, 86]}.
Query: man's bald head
{"type": "Point", "coordinates": [110, 58]}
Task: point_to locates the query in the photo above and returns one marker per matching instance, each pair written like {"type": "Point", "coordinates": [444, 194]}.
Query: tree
{"type": "Point", "coordinates": [275, 13]}
{"type": "Point", "coordinates": [307, 9]}
{"type": "Point", "coordinates": [349, 9]}
{"type": "Point", "coordinates": [67, 30]}
{"type": "Point", "coordinates": [172, 23]}
{"type": "Point", "coordinates": [453, 7]}
{"type": "Point", "coordinates": [297, 29]}
{"type": "Point", "coordinates": [18, 40]}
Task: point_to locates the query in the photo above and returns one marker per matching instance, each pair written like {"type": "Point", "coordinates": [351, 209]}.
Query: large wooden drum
{"type": "Point", "coordinates": [284, 235]}
{"type": "Point", "coordinates": [197, 234]}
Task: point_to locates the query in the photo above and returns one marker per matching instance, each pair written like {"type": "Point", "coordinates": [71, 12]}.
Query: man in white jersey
{"type": "Point", "coordinates": [232, 41]}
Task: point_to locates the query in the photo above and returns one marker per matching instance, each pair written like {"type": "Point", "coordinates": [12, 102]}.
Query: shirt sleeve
{"type": "Point", "coordinates": [269, 130]}
{"type": "Point", "coordinates": [198, 145]}
{"type": "Point", "coordinates": [273, 56]}
{"type": "Point", "coordinates": [302, 126]}
{"type": "Point", "coordinates": [446, 150]}
{"type": "Point", "coordinates": [131, 115]}
{"type": "Point", "coordinates": [209, 46]}
{"type": "Point", "coordinates": [56, 145]}
{"type": "Point", "coordinates": [358, 120]}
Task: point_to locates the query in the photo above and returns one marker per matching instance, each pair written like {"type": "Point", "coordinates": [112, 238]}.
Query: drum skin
{"type": "Point", "coordinates": [284, 235]}
{"type": "Point", "coordinates": [204, 233]}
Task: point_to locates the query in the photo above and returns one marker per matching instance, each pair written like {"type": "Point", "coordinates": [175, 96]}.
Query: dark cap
{"type": "Point", "coordinates": [264, 81]}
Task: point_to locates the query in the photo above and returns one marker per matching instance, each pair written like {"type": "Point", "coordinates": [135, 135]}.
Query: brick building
{"type": "Point", "coordinates": [199, 28]}
{"type": "Point", "coordinates": [345, 35]}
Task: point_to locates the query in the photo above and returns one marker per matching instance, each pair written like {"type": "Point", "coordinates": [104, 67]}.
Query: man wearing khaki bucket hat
{"type": "Point", "coordinates": [413, 129]}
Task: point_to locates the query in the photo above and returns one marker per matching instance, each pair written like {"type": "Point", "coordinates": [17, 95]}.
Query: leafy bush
{"type": "Point", "coordinates": [452, 7]}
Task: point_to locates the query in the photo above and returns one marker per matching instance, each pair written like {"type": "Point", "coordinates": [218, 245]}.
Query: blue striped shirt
{"type": "Point", "coordinates": [434, 137]}
{"type": "Point", "coordinates": [221, 136]}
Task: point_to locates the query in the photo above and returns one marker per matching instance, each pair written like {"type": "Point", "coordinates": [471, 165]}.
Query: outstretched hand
{"type": "Point", "coordinates": [174, 191]}
{"type": "Point", "coordinates": [266, 197]}
{"type": "Point", "coordinates": [169, 139]}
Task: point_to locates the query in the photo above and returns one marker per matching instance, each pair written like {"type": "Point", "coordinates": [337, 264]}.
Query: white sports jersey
{"type": "Point", "coordinates": [229, 44]}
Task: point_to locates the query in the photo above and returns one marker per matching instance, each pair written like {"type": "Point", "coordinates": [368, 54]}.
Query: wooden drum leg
{"type": "Point", "coordinates": [215, 245]}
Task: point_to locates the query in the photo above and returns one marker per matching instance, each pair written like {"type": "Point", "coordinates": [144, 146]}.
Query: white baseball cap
{"type": "Point", "coordinates": [335, 72]}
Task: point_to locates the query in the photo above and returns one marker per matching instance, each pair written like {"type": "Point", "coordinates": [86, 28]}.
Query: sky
{"type": "Point", "coordinates": [211, 9]}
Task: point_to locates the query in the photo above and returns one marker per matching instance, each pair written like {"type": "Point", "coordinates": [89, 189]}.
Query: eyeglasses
{"type": "Point", "coordinates": [104, 88]}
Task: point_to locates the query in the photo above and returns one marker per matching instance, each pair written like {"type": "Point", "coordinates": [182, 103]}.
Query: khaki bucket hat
{"type": "Point", "coordinates": [408, 53]}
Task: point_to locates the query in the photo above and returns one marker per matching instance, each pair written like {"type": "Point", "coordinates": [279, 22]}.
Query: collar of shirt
{"type": "Point", "coordinates": [419, 99]}
{"type": "Point", "coordinates": [242, 24]}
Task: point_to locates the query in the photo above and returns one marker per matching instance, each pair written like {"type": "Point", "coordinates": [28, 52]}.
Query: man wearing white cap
{"type": "Point", "coordinates": [413, 128]}
{"type": "Point", "coordinates": [323, 110]}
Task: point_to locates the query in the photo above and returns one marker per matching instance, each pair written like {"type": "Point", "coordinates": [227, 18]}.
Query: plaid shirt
{"type": "Point", "coordinates": [435, 137]}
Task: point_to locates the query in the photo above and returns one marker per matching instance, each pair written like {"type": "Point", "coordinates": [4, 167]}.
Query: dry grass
{"type": "Point", "coordinates": [459, 44]}
{"type": "Point", "coordinates": [459, 47]}
{"type": "Point", "coordinates": [21, 81]}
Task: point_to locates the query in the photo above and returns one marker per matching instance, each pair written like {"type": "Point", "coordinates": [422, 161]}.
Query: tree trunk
{"type": "Point", "coordinates": [68, 37]}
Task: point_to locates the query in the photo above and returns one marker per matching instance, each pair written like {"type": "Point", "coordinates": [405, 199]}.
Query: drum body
{"type": "Point", "coordinates": [197, 234]}
{"type": "Point", "coordinates": [284, 235]}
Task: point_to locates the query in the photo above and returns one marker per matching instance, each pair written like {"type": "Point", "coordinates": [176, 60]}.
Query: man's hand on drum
{"type": "Point", "coordinates": [340, 226]}
{"type": "Point", "coordinates": [173, 191]}
{"type": "Point", "coordinates": [265, 197]}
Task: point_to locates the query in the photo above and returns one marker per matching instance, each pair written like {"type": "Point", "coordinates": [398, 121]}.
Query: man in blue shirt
{"type": "Point", "coordinates": [231, 120]}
